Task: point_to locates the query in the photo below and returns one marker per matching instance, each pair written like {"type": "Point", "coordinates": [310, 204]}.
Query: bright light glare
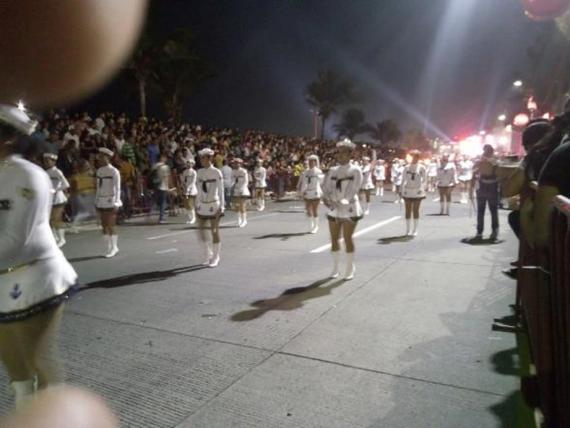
{"type": "Point", "coordinates": [21, 106]}
{"type": "Point", "coordinates": [472, 146]}
{"type": "Point", "coordinates": [502, 117]}
{"type": "Point", "coordinates": [517, 83]}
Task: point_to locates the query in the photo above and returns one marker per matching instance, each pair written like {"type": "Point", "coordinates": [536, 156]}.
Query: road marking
{"type": "Point", "coordinates": [170, 250]}
{"type": "Point", "coordinates": [227, 223]}
{"type": "Point", "coordinates": [360, 233]}
{"type": "Point", "coordinates": [436, 200]}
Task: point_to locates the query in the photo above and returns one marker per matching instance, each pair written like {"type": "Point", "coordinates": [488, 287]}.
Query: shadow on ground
{"type": "Point", "coordinates": [290, 299]}
{"type": "Point", "coordinates": [141, 278]}
{"type": "Point", "coordinates": [476, 241]}
{"type": "Point", "coordinates": [392, 239]}
{"type": "Point", "coordinates": [282, 236]}
{"type": "Point", "coordinates": [84, 259]}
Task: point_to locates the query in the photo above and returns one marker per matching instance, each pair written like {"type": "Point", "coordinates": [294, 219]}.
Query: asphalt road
{"type": "Point", "coordinates": [266, 340]}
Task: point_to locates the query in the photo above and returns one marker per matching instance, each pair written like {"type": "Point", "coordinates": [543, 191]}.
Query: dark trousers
{"type": "Point", "coordinates": [161, 197]}
{"type": "Point", "coordinates": [515, 222]}
{"type": "Point", "coordinates": [482, 201]}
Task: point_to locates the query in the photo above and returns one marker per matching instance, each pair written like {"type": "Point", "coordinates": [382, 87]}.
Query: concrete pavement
{"type": "Point", "coordinates": [266, 340]}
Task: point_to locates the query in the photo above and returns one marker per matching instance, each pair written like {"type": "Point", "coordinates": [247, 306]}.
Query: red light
{"type": "Point", "coordinates": [543, 10]}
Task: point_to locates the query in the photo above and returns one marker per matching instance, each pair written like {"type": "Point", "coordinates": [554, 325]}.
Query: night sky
{"type": "Point", "coordinates": [442, 68]}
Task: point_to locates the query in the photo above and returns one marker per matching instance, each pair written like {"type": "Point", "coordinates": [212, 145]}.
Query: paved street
{"type": "Point", "coordinates": [265, 340]}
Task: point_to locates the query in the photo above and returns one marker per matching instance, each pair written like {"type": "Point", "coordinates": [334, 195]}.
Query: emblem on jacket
{"type": "Point", "coordinates": [16, 292]}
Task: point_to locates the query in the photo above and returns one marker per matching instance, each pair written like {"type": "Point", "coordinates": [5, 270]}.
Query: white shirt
{"type": "Point", "coordinates": [189, 182]}
{"type": "Point", "coordinates": [380, 172]}
{"type": "Point", "coordinates": [163, 171]}
{"type": "Point", "coordinates": [446, 175]}
{"type": "Point", "coordinates": [227, 173]}
{"type": "Point", "coordinates": [414, 181]}
{"type": "Point", "coordinates": [465, 170]}
{"type": "Point", "coordinates": [397, 174]}
{"type": "Point", "coordinates": [241, 180]}
{"type": "Point", "coordinates": [26, 238]}
{"type": "Point", "coordinates": [311, 183]}
{"type": "Point", "coordinates": [108, 194]}
{"type": "Point", "coordinates": [210, 186]}
{"type": "Point", "coordinates": [341, 190]}
{"type": "Point", "coordinates": [367, 177]}
{"type": "Point", "coordinates": [69, 137]}
{"type": "Point", "coordinates": [260, 176]}
{"type": "Point", "coordinates": [432, 169]}
{"type": "Point", "coordinates": [58, 185]}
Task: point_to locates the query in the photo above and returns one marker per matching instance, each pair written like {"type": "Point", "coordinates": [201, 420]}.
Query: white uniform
{"type": "Point", "coordinates": [465, 170]}
{"type": "Point", "coordinates": [189, 182]}
{"type": "Point", "coordinates": [397, 175]}
{"type": "Point", "coordinates": [414, 181]}
{"type": "Point", "coordinates": [432, 169]}
{"type": "Point", "coordinates": [366, 178]}
{"type": "Point", "coordinates": [210, 197]}
{"type": "Point", "coordinates": [341, 189]}
{"type": "Point", "coordinates": [33, 271]}
{"type": "Point", "coordinates": [260, 177]}
{"type": "Point", "coordinates": [380, 172]}
{"type": "Point", "coordinates": [446, 175]}
{"type": "Point", "coordinates": [108, 194]}
{"type": "Point", "coordinates": [241, 181]}
{"type": "Point", "coordinates": [58, 185]}
{"type": "Point", "coordinates": [311, 183]}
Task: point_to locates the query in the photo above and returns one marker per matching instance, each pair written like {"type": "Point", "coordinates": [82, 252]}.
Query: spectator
{"type": "Point", "coordinates": [162, 174]}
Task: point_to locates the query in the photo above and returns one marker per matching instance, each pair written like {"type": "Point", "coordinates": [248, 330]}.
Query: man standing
{"type": "Point", "coordinates": [487, 185]}
{"type": "Point", "coordinates": [161, 173]}
{"type": "Point", "coordinates": [228, 182]}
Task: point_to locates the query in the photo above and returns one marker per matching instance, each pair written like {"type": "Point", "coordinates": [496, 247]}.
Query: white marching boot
{"type": "Point", "coordinates": [191, 217]}
{"type": "Point", "coordinates": [316, 226]}
{"type": "Point", "coordinates": [208, 254]}
{"type": "Point", "coordinates": [23, 391]}
{"type": "Point", "coordinates": [311, 224]}
{"type": "Point", "coordinates": [244, 220]}
{"type": "Point", "coordinates": [216, 256]}
{"type": "Point", "coordinates": [114, 247]}
{"type": "Point", "coordinates": [415, 229]}
{"type": "Point", "coordinates": [335, 272]}
{"type": "Point", "coordinates": [408, 227]}
{"type": "Point", "coordinates": [350, 268]}
{"type": "Point", "coordinates": [442, 209]}
{"type": "Point", "coordinates": [61, 237]}
{"type": "Point", "coordinates": [366, 208]}
{"type": "Point", "coordinates": [109, 242]}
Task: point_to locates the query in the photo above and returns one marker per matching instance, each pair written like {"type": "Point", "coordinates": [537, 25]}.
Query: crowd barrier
{"type": "Point", "coordinates": [543, 306]}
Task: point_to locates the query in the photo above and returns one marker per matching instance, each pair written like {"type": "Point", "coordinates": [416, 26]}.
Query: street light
{"type": "Point", "coordinates": [517, 83]}
{"type": "Point", "coordinates": [502, 117]}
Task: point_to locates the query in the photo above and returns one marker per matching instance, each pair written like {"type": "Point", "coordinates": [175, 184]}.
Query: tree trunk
{"type": "Point", "coordinates": [323, 121]}
{"type": "Point", "coordinates": [142, 97]}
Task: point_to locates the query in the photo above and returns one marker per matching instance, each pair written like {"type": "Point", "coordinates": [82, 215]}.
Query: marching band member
{"type": "Point", "coordinates": [311, 192]}
{"type": "Point", "coordinates": [397, 177]}
{"type": "Point", "coordinates": [108, 199]}
{"type": "Point", "coordinates": [189, 190]}
{"type": "Point", "coordinates": [210, 205]}
{"type": "Point", "coordinates": [260, 184]}
{"type": "Point", "coordinates": [35, 277]}
{"type": "Point", "coordinates": [380, 176]}
{"type": "Point", "coordinates": [465, 177]}
{"type": "Point", "coordinates": [366, 185]}
{"type": "Point", "coordinates": [446, 181]}
{"type": "Point", "coordinates": [341, 197]}
{"type": "Point", "coordinates": [59, 185]}
{"type": "Point", "coordinates": [414, 191]}
{"type": "Point", "coordinates": [432, 175]}
{"type": "Point", "coordinates": [241, 190]}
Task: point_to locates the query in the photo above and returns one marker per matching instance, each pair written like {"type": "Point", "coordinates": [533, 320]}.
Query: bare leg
{"type": "Point", "coordinates": [334, 228]}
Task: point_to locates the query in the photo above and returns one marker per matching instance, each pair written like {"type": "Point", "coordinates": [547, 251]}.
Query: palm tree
{"type": "Point", "coordinates": [143, 65]}
{"type": "Point", "coordinates": [385, 131]}
{"type": "Point", "coordinates": [352, 124]}
{"type": "Point", "coordinates": [327, 93]}
{"type": "Point", "coordinates": [181, 68]}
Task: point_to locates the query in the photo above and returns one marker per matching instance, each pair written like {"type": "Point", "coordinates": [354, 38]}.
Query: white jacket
{"type": "Point", "coordinates": [108, 194]}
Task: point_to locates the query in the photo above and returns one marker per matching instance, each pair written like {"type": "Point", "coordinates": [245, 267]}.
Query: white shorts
{"type": "Point", "coordinates": [207, 209]}
{"type": "Point", "coordinates": [38, 282]}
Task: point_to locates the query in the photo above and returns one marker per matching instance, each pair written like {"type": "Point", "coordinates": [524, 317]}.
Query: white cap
{"type": "Point", "coordinates": [346, 143]}
{"type": "Point", "coordinates": [52, 156]}
{"type": "Point", "coordinates": [313, 157]}
{"type": "Point", "coordinates": [365, 158]}
{"type": "Point", "coordinates": [17, 119]}
{"type": "Point", "coordinates": [206, 152]}
{"type": "Point", "coordinates": [106, 151]}
{"type": "Point", "coordinates": [191, 161]}
{"type": "Point", "coordinates": [238, 160]}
